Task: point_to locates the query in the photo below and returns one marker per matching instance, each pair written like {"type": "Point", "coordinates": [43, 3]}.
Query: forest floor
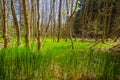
{"type": "Point", "coordinates": [1, 45]}
{"type": "Point", "coordinates": [57, 61]}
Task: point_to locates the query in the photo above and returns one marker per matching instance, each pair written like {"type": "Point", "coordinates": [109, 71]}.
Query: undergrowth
{"type": "Point", "coordinates": [56, 61]}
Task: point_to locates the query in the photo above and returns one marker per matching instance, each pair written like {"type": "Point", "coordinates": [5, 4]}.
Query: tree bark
{"type": "Point", "coordinates": [15, 22]}
{"type": "Point", "coordinates": [5, 36]}
{"type": "Point", "coordinates": [69, 22]}
{"type": "Point", "coordinates": [32, 18]}
{"type": "Point", "coordinates": [105, 20]}
{"type": "Point", "coordinates": [38, 25]}
{"type": "Point", "coordinates": [27, 23]}
{"type": "Point", "coordinates": [59, 20]}
{"type": "Point", "coordinates": [54, 21]}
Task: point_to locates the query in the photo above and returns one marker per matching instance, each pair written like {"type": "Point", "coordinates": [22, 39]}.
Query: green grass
{"type": "Point", "coordinates": [56, 60]}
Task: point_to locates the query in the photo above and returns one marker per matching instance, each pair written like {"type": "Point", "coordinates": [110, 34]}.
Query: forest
{"type": "Point", "coordinates": [59, 40]}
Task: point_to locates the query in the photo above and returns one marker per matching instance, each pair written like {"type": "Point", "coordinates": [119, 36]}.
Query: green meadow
{"type": "Point", "coordinates": [57, 61]}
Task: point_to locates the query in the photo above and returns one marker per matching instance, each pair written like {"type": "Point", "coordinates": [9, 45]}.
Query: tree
{"type": "Point", "coordinates": [32, 25]}
{"type": "Point", "coordinates": [77, 21]}
{"type": "Point", "coordinates": [38, 25]}
{"type": "Point", "coordinates": [59, 19]}
{"type": "Point", "coordinates": [96, 19]}
{"type": "Point", "coordinates": [15, 22]}
{"type": "Point", "coordinates": [69, 23]}
{"type": "Point", "coordinates": [27, 23]}
{"type": "Point", "coordinates": [5, 36]}
{"type": "Point", "coordinates": [1, 16]}
{"type": "Point", "coordinates": [54, 20]}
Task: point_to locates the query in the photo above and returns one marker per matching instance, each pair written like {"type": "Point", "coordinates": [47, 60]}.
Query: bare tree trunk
{"type": "Point", "coordinates": [50, 18]}
{"type": "Point", "coordinates": [35, 21]}
{"type": "Point", "coordinates": [105, 20]}
{"type": "Point", "coordinates": [67, 27]}
{"type": "Point", "coordinates": [109, 18]}
{"type": "Point", "coordinates": [1, 14]}
{"type": "Point", "coordinates": [98, 20]}
{"type": "Point", "coordinates": [21, 14]}
{"type": "Point", "coordinates": [5, 36]}
{"type": "Point", "coordinates": [84, 19]}
{"type": "Point", "coordinates": [69, 23]}
{"type": "Point", "coordinates": [54, 20]}
{"type": "Point", "coordinates": [38, 25]}
{"type": "Point", "coordinates": [27, 23]}
{"type": "Point", "coordinates": [15, 22]}
{"type": "Point", "coordinates": [42, 18]}
{"type": "Point", "coordinates": [32, 18]}
{"type": "Point", "coordinates": [59, 20]}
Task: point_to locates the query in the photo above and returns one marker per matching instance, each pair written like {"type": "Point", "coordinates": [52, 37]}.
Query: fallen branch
{"type": "Point", "coordinates": [95, 43]}
{"type": "Point", "coordinates": [103, 39]}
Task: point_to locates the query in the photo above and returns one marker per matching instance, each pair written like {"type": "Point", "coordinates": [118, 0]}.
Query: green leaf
{"type": "Point", "coordinates": [79, 2]}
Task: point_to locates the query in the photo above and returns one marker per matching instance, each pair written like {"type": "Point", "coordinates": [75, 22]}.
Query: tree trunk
{"type": "Point", "coordinates": [1, 15]}
{"type": "Point", "coordinates": [59, 20]}
{"type": "Point", "coordinates": [5, 36]}
{"type": "Point", "coordinates": [15, 22]}
{"type": "Point", "coordinates": [32, 18]}
{"type": "Point", "coordinates": [54, 20]}
{"type": "Point", "coordinates": [84, 19]}
{"type": "Point", "coordinates": [27, 23]}
{"type": "Point", "coordinates": [105, 20]}
{"type": "Point", "coordinates": [38, 25]}
{"type": "Point", "coordinates": [67, 27]}
{"type": "Point", "coordinates": [69, 23]}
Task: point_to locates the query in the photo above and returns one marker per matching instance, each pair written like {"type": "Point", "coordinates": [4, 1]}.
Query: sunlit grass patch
{"type": "Point", "coordinates": [56, 61]}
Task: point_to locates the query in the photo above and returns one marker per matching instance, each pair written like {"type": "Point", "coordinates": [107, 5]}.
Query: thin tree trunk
{"type": "Point", "coordinates": [27, 23]}
{"type": "Point", "coordinates": [42, 19]}
{"type": "Point", "coordinates": [67, 27]}
{"type": "Point", "coordinates": [59, 20]}
{"type": "Point", "coordinates": [5, 36]}
{"type": "Point", "coordinates": [38, 25]}
{"type": "Point", "coordinates": [50, 18]}
{"type": "Point", "coordinates": [54, 21]}
{"type": "Point", "coordinates": [98, 20]}
{"type": "Point", "coordinates": [109, 19]}
{"type": "Point", "coordinates": [15, 22]}
{"type": "Point", "coordinates": [32, 18]}
{"type": "Point", "coordinates": [1, 14]}
{"type": "Point", "coordinates": [35, 22]}
{"type": "Point", "coordinates": [105, 20]}
{"type": "Point", "coordinates": [84, 19]}
{"type": "Point", "coordinates": [69, 24]}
